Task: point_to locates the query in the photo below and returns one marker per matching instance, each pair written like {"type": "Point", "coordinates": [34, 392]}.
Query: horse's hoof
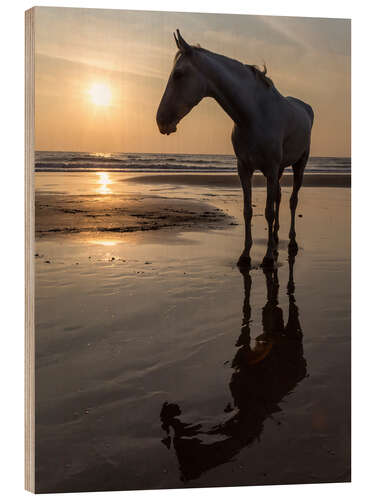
{"type": "Point", "coordinates": [268, 263]}
{"type": "Point", "coordinates": [244, 262]}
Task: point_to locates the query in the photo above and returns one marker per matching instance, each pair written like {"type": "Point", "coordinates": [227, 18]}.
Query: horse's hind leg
{"type": "Point", "coordinates": [298, 170]}
{"type": "Point", "coordinates": [277, 207]}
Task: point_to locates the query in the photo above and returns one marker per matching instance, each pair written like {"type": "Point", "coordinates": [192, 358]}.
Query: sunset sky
{"type": "Point", "coordinates": [100, 75]}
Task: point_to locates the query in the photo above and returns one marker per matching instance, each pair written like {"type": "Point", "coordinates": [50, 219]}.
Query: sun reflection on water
{"type": "Point", "coordinates": [104, 181]}
{"type": "Point", "coordinates": [105, 243]}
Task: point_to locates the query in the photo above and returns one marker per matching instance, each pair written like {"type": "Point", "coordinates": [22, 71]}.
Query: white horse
{"type": "Point", "coordinates": [270, 131]}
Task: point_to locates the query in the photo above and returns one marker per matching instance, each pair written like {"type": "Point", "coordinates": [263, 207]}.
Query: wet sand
{"type": "Point", "coordinates": [161, 365]}
{"type": "Point", "coordinates": [66, 214]}
{"type": "Point", "coordinates": [230, 180]}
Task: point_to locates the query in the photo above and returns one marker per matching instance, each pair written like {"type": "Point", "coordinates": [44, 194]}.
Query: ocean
{"type": "Point", "coordinates": [63, 161]}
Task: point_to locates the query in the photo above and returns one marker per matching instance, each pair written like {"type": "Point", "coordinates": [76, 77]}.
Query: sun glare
{"type": "Point", "coordinates": [104, 181]}
{"type": "Point", "coordinates": [100, 94]}
{"type": "Point", "coordinates": [104, 243]}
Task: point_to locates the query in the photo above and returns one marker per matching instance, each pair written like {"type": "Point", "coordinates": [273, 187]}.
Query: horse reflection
{"type": "Point", "coordinates": [263, 375]}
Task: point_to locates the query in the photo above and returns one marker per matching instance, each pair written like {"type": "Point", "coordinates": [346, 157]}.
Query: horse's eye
{"type": "Point", "coordinates": [177, 75]}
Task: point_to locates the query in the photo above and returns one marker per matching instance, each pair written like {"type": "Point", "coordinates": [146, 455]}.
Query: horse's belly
{"type": "Point", "coordinates": [290, 159]}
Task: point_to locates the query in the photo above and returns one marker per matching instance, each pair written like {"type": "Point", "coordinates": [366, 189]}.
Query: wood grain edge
{"type": "Point", "coordinates": [29, 251]}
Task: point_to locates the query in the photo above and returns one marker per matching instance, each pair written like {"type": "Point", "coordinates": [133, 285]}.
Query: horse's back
{"type": "Point", "coordinates": [301, 104]}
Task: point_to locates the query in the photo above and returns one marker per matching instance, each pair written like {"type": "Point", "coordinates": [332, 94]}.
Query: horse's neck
{"type": "Point", "coordinates": [231, 84]}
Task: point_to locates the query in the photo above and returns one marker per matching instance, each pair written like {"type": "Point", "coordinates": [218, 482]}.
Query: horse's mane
{"type": "Point", "coordinates": [258, 73]}
{"type": "Point", "coordinates": [261, 74]}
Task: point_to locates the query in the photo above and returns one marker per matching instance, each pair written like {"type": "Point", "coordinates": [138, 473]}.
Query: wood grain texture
{"type": "Point", "coordinates": [29, 253]}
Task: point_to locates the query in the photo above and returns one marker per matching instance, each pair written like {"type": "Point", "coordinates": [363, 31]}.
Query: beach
{"type": "Point", "coordinates": [159, 364]}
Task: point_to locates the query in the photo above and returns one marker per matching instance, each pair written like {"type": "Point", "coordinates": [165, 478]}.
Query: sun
{"type": "Point", "coordinates": [100, 94]}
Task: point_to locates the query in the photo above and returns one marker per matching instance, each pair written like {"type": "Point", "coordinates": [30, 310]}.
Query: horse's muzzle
{"type": "Point", "coordinates": [169, 128]}
{"type": "Point", "coordinates": [167, 122]}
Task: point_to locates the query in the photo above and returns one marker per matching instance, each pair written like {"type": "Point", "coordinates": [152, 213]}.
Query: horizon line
{"type": "Point", "coordinates": [161, 153]}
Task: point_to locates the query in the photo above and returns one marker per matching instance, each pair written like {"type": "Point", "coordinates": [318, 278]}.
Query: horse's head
{"type": "Point", "coordinates": [185, 88]}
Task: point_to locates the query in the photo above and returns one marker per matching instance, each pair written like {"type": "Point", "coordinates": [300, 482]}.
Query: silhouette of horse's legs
{"type": "Point", "coordinates": [292, 252]}
{"type": "Point", "coordinates": [244, 338]}
{"type": "Point", "coordinates": [272, 283]}
{"type": "Point", "coordinates": [298, 170]}
{"type": "Point", "coordinates": [246, 309]}
{"type": "Point", "coordinates": [293, 328]}
{"type": "Point", "coordinates": [246, 177]}
{"type": "Point", "coordinates": [272, 190]}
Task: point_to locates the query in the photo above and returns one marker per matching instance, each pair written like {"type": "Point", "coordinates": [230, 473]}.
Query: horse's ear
{"type": "Point", "coordinates": [181, 44]}
{"type": "Point", "coordinates": [175, 39]}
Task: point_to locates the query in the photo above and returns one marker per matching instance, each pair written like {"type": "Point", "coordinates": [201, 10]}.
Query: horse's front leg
{"type": "Point", "coordinates": [246, 177]}
{"type": "Point", "coordinates": [272, 189]}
